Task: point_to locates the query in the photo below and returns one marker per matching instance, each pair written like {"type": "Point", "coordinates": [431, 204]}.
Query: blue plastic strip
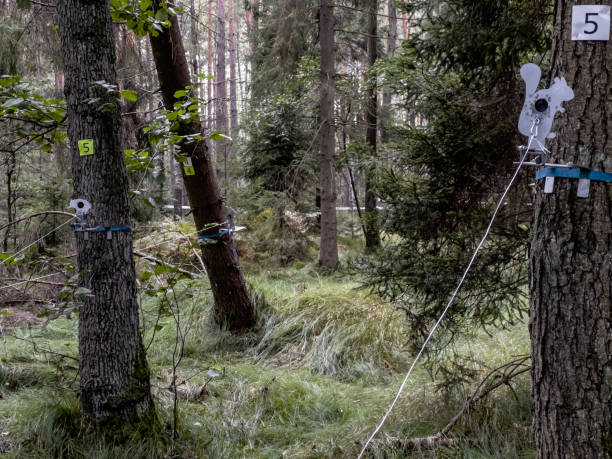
{"type": "Point", "coordinates": [574, 173]}
{"type": "Point", "coordinates": [103, 229]}
{"type": "Point", "coordinates": [213, 236]}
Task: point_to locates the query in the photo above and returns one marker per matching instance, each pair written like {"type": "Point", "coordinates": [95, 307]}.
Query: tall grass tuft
{"type": "Point", "coordinates": [330, 328]}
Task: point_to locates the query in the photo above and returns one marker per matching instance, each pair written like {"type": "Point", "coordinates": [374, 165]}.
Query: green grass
{"type": "Point", "coordinates": [312, 382]}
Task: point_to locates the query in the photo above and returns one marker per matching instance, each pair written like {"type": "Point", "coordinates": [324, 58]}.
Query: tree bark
{"type": "Point", "coordinates": [221, 90]}
{"type": "Point", "coordinates": [112, 365]}
{"type": "Point", "coordinates": [194, 38]}
{"type": "Point", "coordinates": [372, 238]}
{"type": "Point", "coordinates": [387, 114]}
{"type": "Point", "coordinates": [233, 307]}
{"type": "Point", "coordinates": [232, 82]}
{"type": "Point", "coordinates": [571, 264]}
{"type": "Point", "coordinates": [209, 67]}
{"type": "Point", "coordinates": [328, 255]}
{"type": "Point", "coordinates": [252, 23]}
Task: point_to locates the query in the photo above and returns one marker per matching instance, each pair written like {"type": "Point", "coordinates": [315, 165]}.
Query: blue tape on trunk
{"type": "Point", "coordinates": [574, 173]}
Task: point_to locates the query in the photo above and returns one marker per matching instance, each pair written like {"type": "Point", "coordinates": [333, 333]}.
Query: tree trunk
{"type": "Point", "coordinates": [233, 307]}
{"type": "Point", "coordinates": [209, 68]}
{"type": "Point", "coordinates": [387, 114]}
{"type": "Point", "coordinates": [194, 38]}
{"type": "Point", "coordinates": [176, 185]}
{"type": "Point", "coordinates": [571, 264]}
{"type": "Point", "coordinates": [112, 365]}
{"type": "Point", "coordinates": [221, 90]}
{"type": "Point", "coordinates": [252, 23]}
{"type": "Point", "coordinates": [372, 237]}
{"type": "Point", "coordinates": [328, 255]}
{"type": "Point", "coordinates": [11, 163]}
{"type": "Point", "coordinates": [232, 82]}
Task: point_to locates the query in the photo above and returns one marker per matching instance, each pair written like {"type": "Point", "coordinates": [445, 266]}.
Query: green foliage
{"type": "Point", "coordinates": [34, 118]}
{"type": "Point", "coordinates": [140, 16]}
{"type": "Point", "coordinates": [279, 152]}
{"type": "Point", "coordinates": [327, 328]}
{"type": "Point", "coordinates": [328, 360]}
{"type": "Point", "coordinates": [275, 237]}
{"type": "Point", "coordinates": [460, 77]}
{"type": "Point", "coordinates": [285, 36]}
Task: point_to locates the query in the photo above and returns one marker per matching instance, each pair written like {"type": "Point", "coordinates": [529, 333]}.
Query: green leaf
{"type": "Point", "coordinates": [161, 269]}
{"type": "Point", "coordinates": [145, 276]}
{"type": "Point", "coordinates": [129, 94]}
{"type": "Point", "coordinates": [13, 102]}
{"type": "Point", "coordinates": [179, 94]}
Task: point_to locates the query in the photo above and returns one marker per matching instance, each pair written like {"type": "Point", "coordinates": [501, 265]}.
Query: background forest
{"type": "Point", "coordinates": [360, 157]}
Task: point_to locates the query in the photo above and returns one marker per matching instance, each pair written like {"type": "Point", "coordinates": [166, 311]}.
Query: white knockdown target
{"type": "Point", "coordinates": [591, 22]}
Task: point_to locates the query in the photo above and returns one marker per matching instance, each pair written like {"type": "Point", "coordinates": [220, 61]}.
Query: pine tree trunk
{"type": "Point", "coordinates": [112, 365]}
{"type": "Point", "coordinates": [252, 23]}
{"type": "Point", "coordinates": [391, 47]}
{"type": "Point", "coordinates": [372, 238]}
{"type": "Point", "coordinates": [328, 256]}
{"type": "Point", "coordinates": [232, 82]}
{"type": "Point", "coordinates": [571, 264]}
{"type": "Point", "coordinates": [233, 307]}
{"type": "Point", "coordinates": [209, 67]}
{"type": "Point", "coordinates": [221, 90]}
{"type": "Point", "coordinates": [195, 46]}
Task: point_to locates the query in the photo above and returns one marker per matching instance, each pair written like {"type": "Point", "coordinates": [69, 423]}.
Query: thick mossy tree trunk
{"type": "Point", "coordinates": [372, 237]}
{"type": "Point", "coordinates": [233, 307]}
{"type": "Point", "coordinates": [112, 365]}
{"type": "Point", "coordinates": [571, 264]}
{"type": "Point", "coordinates": [329, 244]}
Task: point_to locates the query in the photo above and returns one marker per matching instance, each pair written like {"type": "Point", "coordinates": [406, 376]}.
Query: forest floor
{"type": "Point", "coordinates": [313, 380]}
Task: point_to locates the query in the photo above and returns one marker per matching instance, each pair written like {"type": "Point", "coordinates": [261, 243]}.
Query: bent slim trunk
{"type": "Point", "coordinates": [233, 307]}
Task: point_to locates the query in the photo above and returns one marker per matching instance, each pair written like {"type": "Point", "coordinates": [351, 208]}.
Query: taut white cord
{"type": "Point", "coordinates": [448, 305]}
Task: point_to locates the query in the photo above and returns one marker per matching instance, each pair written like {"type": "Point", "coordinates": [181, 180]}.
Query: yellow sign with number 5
{"type": "Point", "coordinates": [86, 147]}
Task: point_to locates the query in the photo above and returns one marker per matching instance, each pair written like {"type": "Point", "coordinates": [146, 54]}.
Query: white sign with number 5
{"type": "Point", "coordinates": [591, 22]}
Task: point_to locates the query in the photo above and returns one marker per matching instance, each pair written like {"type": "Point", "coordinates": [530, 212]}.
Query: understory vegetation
{"type": "Point", "coordinates": [312, 380]}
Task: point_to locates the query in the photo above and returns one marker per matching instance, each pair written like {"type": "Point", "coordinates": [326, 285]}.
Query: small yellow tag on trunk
{"type": "Point", "coordinates": [86, 147]}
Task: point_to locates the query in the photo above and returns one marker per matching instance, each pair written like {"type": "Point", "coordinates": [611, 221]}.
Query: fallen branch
{"type": "Point", "coordinates": [24, 300]}
{"type": "Point", "coordinates": [157, 261]}
{"type": "Point", "coordinates": [45, 212]}
{"type": "Point", "coordinates": [503, 374]}
{"type": "Point", "coordinates": [57, 284]}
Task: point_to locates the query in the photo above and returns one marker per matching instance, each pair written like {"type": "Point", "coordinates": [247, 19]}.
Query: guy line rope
{"type": "Point", "coordinates": [534, 133]}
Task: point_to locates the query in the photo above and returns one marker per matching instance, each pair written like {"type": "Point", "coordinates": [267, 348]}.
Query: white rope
{"type": "Point", "coordinates": [183, 236]}
{"type": "Point", "coordinates": [12, 257]}
{"type": "Point", "coordinates": [450, 302]}
{"type": "Point", "coordinates": [28, 280]}
{"type": "Point", "coordinates": [169, 240]}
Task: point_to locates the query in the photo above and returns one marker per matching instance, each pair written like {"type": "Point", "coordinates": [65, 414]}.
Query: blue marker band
{"type": "Point", "coordinates": [213, 236]}
{"type": "Point", "coordinates": [574, 173]}
{"type": "Point", "coordinates": [102, 229]}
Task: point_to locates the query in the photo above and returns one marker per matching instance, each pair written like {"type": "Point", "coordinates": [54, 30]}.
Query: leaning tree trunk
{"type": "Point", "coordinates": [372, 238]}
{"type": "Point", "coordinates": [112, 365]}
{"type": "Point", "coordinates": [571, 264]}
{"type": "Point", "coordinates": [329, 245]}
{"type": "Point", "coordinates": [233, 307]}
